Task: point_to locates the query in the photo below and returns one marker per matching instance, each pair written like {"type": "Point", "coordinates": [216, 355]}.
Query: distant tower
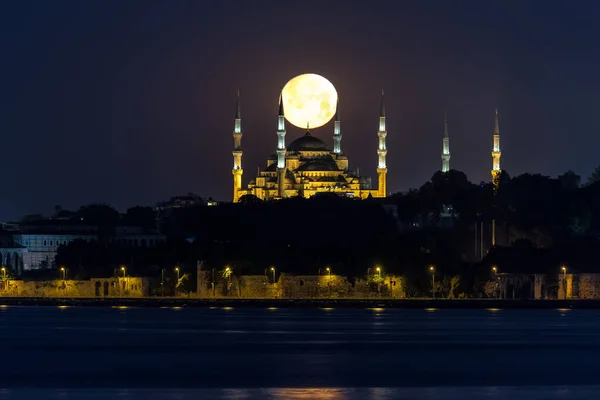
{"type": "Point", "coordinates": [281, 150]}
{"type": "Point", "coordinates": [445, 147]}
{"type": "Point", "coordinates": [237, 170]}
{"type": "Point", "coordinates": [382, 152]}
{"type": "Point", "coordinates": [337, 134]}
{"type": "Point", "coordinates": [496, 153]}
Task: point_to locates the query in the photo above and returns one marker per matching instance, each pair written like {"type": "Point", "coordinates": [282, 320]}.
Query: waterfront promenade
{"type": "Point", "coordinates": [301, 303]}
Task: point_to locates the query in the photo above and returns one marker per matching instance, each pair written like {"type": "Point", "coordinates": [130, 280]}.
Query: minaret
{"type": "Point", "coordinates": [382, 152]}
{"type": "Point", "coordinates": [281, 150]}
{"type": "Point", "coordinates": [237, 170]}
{"type": "Point", "coordinates": [445, 147]}
{"type": "Point", "coordinates": [496, 153]}
{"type": "Point", "coordinates": [337, 134]}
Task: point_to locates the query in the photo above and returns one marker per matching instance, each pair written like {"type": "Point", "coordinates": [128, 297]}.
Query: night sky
{"type": "Point", "coordinates": [131, 102]}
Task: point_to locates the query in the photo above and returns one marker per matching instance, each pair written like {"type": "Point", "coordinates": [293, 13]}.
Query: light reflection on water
{"type": "Point", "coordinates": [423, 393]}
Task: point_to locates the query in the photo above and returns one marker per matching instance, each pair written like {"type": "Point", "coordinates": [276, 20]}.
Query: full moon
{"type": "Point", "coordinates": [309, 101]}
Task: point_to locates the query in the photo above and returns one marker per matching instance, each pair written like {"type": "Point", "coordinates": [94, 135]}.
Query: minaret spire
{"type": "Point", "coordinates": [337, 133]}
{"type": "Point", "coordinates": [281, 150]}
{"type": "Point", "coordinates": [445, 147]}
{"type": "Point", "coordinates": [382, 152]}
{"type": "Point", "coordinates": [237, 170]}
{"type": "Point", "coordinates": [496, 153]}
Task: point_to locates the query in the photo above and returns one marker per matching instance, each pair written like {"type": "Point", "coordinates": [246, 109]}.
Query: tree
{"type": "Point", "coordinates": [454, 284]}
{"type": "Point", "coordinates": [103, 216]}
{"type": "Point", "coordinates": [569, 180]}
{"type": "Point", "coordinates": [144, 217]}
{"type": "Point", "coordinates": [595, 177]}
{"type": "Point", "coordinates": [31, 218]}
{"type": "Point", "coordinates": [249, 199]}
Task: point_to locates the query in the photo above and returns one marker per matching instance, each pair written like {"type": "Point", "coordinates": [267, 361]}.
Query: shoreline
{"type": "Point", "coordinates": [301, 303]}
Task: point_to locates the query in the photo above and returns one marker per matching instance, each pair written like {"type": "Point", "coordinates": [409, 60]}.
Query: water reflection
{"type": "Point", "coordinates": [376, 393]}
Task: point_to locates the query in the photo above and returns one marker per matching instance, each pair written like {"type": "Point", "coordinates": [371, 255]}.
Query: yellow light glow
{"type": "Point", "coordinates": [228, 308]}
{"type": "Point", "coordinates": [327, 308]}
{"type": "Point", "coordinates": [377, 309]}
{"type": "Point", "coordinates": [63, 307]}
{"type": "Point", "coordinates": [309, 100]}
{"type": "Point", "coordinates": [493, 309]}
{"type": "Point", "coordinates": [272, 308]}
{"type": "Point", "coordinates": [176, 308]}
{"type": "Point", "coordinates": [121, 307]}
{"type": "Point", "coordinates": [3, 306]}
{"type": "Point", "coordinates": [431, 309]}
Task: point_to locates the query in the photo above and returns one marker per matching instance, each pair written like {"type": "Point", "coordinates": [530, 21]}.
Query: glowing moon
{"type": "Point", "coordinates": [309, 100]}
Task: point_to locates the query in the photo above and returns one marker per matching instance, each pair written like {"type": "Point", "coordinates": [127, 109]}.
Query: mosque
{"type": "Point", "coordinates": [307, 166]}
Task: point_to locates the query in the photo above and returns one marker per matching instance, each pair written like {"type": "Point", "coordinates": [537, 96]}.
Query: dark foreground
{"type": "Point", "coordinates": [286, 353]}
{"type": "Point", "coordinates": [301, 303]}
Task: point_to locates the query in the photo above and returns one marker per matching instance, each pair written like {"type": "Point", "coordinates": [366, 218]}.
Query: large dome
{"type": "Point", "coordinates": [308, 143]}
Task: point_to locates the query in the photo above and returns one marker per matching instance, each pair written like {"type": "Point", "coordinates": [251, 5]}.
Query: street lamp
{"type": "Point", "coordinates": [162, 283]}
{"type": "Point", "coordinates": [64, 272]}
{"type": "Point", "coordinates": [564, 270]}
{"type": "Point", "coordinates": [124, 271]}
{"type": "Point", "coordinates": [432, 269]}
{"type": "Point", "coordinates": [273, 272]}
{"type": "Point", "coordinates": [494, 270]}
{"type": "Point", "coordinates": [213, 283]}
{"type": "Point", "coordinates": [177, 284]}
{"type": "Point", "coordinates": [4, 272]}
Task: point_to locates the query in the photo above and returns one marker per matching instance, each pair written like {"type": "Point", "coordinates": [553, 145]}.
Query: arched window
{"type": "Point", "coordinates": [44, 243]}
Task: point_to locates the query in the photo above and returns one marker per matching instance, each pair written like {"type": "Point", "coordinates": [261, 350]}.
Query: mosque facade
{"type": "Point", "coordinates": [307, 166]}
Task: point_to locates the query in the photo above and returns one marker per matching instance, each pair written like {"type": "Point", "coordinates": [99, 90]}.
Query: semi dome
{"type": "Point", "coordinates": [308, 143]}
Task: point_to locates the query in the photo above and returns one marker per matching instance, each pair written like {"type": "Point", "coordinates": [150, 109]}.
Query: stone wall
{"type": "Point", "coordinates": [297, 287]}
{"type": "Point", "coordinates": [589, 286]}
{"type": "Point", "coordinates": [95, 287]}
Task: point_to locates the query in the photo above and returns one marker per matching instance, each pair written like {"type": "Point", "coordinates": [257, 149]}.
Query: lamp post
{"type": "Point", "coordinates": [177, 284]}
{"type": "Point", "coordinates": [124, 273]}
{"type": "Point", "coordinates": [328, 280]}
{"type": "Point", "coordinates": [213, 283]}
{"type": "Point", "coordinates": [432, 269]}
{"type": "Point", "coordinates": [273, 272]}
{"type": "Point", "coordinates": [64, 273]}
{"type": "Point", "coordinates": [162, 282]}
{"type": "Point", "coordinates": [378, 269]}
{"type": "Point", "coordinates": [4, 272]}
{"type": "Point", "coordinates": [564, 270]}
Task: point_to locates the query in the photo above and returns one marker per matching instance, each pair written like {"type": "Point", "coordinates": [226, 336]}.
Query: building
{"type": "Point", "coordinates": [307, 166]}
{"type": "Point", "coordinates": [34, 246]}
{"type": "Point", "coordinates": [135, 236]}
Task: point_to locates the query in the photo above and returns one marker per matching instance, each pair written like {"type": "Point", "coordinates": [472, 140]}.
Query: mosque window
{"type": "Point", "coordinates": [44, 243]}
